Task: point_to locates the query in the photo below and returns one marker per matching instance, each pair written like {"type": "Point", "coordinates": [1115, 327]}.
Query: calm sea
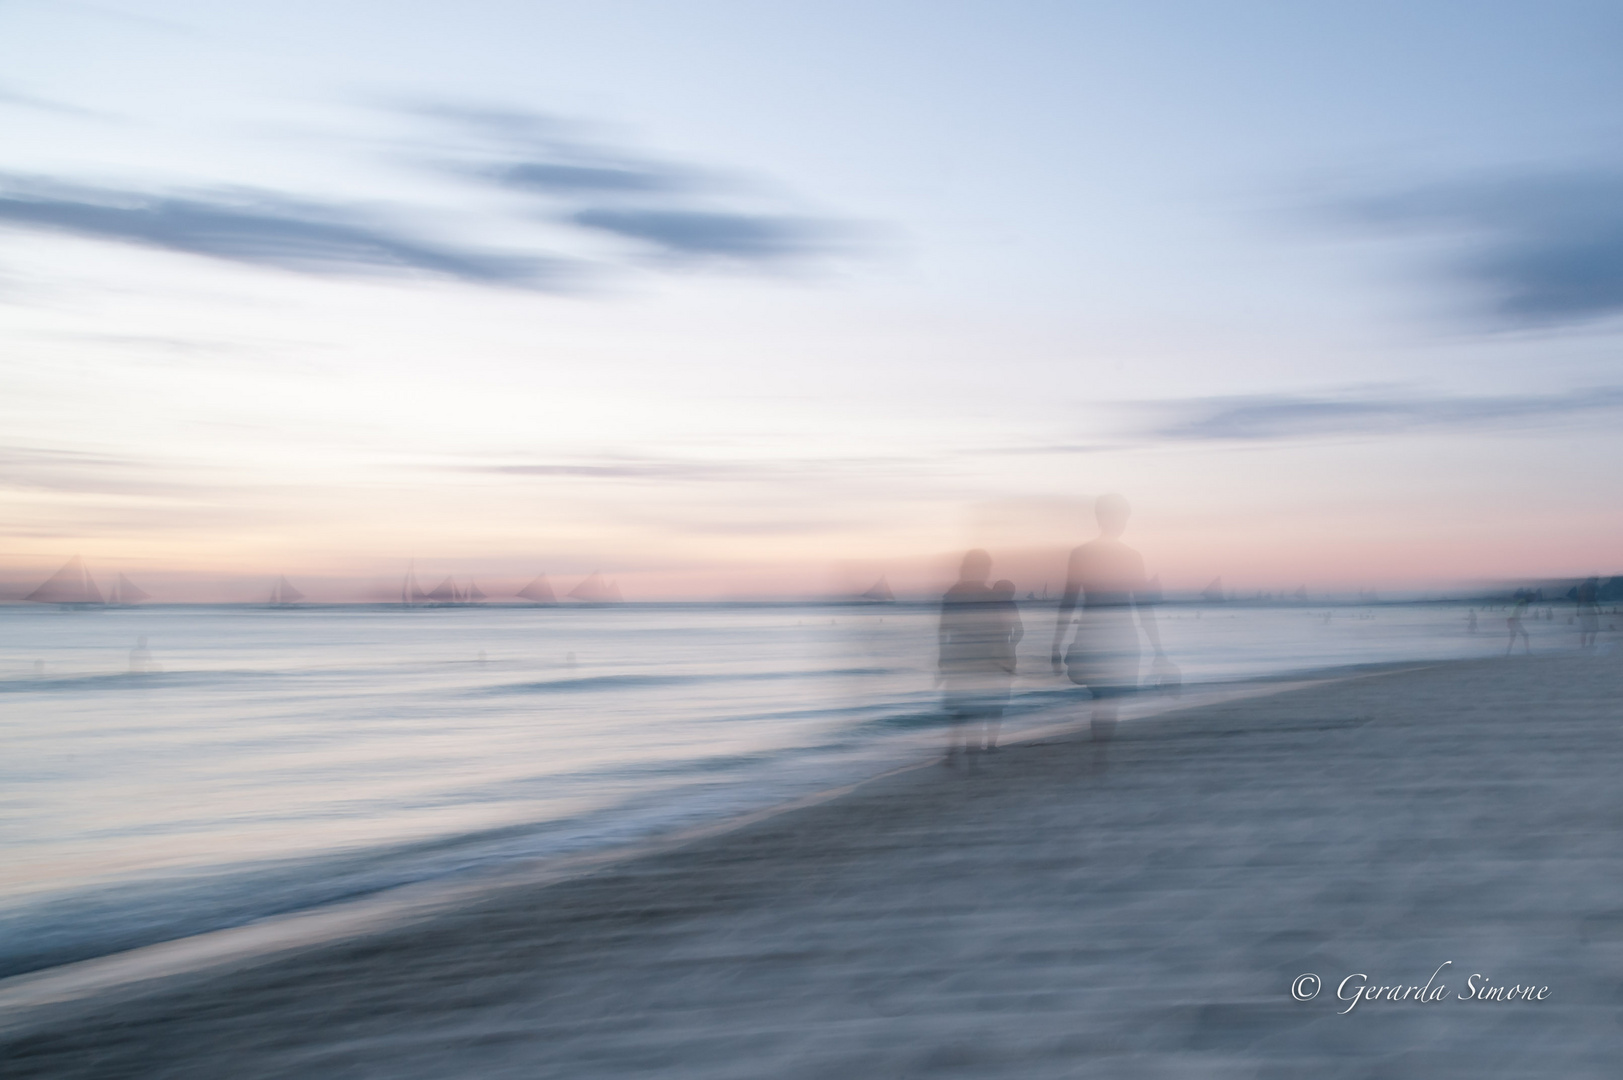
{"type": "Point", "coordinates": [270, 760]}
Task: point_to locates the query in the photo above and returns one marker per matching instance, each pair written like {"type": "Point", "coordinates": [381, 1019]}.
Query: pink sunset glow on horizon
{"type": "Point", "coordinates": [543, 312]}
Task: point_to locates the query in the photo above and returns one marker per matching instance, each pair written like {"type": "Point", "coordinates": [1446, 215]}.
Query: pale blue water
{"type": "Point", "coordinates": [283, 759]}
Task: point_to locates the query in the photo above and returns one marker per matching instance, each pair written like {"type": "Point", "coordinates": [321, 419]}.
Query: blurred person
{"type": "Point", "coordinates": [1006, 635]}
{"type": "Point", "coordinates": [1588, 612]}
{"type": "Point", "coordinates": [1470, 622]}
{"type": "Point", "coordinates": [1514, 623]}
{"type": "Point", "coordinates": [971, 665]}
{"type": "Point", "coordinates": [1108, 578]}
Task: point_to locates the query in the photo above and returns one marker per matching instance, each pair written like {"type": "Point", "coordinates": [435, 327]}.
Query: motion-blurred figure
{"type": "Point", "coordinates": [1514, 623]}
{"type": "Point", "coordinates": [1470, 622]}
{"type": "Point", "coordinates": [140, 657]}
{"type": "Point", "coordinates": [1588, 612]}
{"type": "Point", "coordinates": [1006, 637]}
{"type": "Point", "coordinates": [974, 682]}
{"type": "Point", "coordinates": [1108, 577]}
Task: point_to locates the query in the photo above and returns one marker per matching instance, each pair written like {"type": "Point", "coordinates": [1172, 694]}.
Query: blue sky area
{"type": "Point", "coordinates": [738, 298]}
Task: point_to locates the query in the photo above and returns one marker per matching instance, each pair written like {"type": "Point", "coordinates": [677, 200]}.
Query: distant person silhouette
{"type": "Point", "coordinates": [1108, 579]}
{"type": "Point", "coordinates": [1588, 612]}
{"type": "Point", "coordinates": [1470, 622]}
{"type": "Point", "coordinates": [974, 683]}
{"type": "Point", "coordinates": [1514, 623]}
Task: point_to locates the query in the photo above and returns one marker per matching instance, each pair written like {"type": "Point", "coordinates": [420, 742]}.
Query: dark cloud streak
{"type": "Point", "coordinates": [691, 215]}
{"type": "Point", "coordinates": [1546, 250]}
{"type": "Point", "coordinates": [680, 217]}
{"type": "Point", "coordinates": [699, 234]}
{"type": "Point", "coordinates": [1281, 416]}
{"type": "Point", "coordinates": [262, 230]}
{"type": "Point", "coordinates": [561, 178]}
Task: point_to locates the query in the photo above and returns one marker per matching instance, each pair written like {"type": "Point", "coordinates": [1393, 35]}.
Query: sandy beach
{"type": "Point", "coordinates": [1032, 918]}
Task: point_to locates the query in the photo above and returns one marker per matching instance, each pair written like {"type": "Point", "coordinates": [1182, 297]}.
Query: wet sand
{"type": "Point", "coordinates": [1032, 919]}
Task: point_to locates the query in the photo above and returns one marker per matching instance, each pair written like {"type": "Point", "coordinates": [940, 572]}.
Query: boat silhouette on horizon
{"type": "Point", "coordinates": [283, 594]}
{"type": "Point", "coordinates": [447, 593]}
{"type": "Point", "coordinates": [596, 589]}
{"type": "Point", "coordinates": [72, 586]}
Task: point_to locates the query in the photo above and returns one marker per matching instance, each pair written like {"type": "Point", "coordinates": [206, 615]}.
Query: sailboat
{"type": "Point", "coordinates": [283, 594]}
{"type": "Point", "coordinates": [1214, 592]}
{"type": "Point", "coordinates": [596, 589]}
{"type": "Point", "coordinates": [411, 592]}
{"type": "Point", "coordinates": [473, 594]}
{"type": "Point", "coordinates": [126, 593]}
{"type": "Point", "coordinates": [538, 591]}
{"type": "Point", "coordinates": [72, 585]}
{"type": "Point", "coordinates": [446, 592]}
{"type": "Point", "coordinates": [880, 592]}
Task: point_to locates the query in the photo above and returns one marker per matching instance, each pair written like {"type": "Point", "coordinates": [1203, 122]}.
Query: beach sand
{"type": "Point", "coordinates": [1032, 919]}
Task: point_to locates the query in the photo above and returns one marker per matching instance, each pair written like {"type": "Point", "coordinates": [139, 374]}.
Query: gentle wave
{"type": "Point", "coordinates": [287, 759]}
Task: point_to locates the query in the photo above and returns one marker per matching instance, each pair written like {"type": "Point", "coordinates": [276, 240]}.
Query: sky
{"type": "Point", "coordinates": [744, 299]}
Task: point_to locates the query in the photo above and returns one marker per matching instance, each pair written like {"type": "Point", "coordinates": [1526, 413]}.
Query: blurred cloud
{"type": "Point", "coordinates": [21, 100]}
{"type": "Point", "coordinates": [1547, 250]}
{"type": "Point", "coordinates": [699, 234]}
{"type": "Point", "coordinates": [1041, 449]}
{"type": "Point", "coordinates": [557, 178]}
{"type": "Point", "coordinates": [669, 469]}
{"type": "Point", "coordinates": [683, 215]}
{"type": "Point", "coordinates": [684, 212]}
{"type": "Point", "coordinates": [1282, 416]}
{"type": "Point", "coordinates": [260, 229]}
{"type": "Point", "coordinates": [74, 472]}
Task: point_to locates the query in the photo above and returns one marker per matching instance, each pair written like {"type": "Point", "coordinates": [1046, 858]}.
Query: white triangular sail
{"type": "Point", "coordinates": [596, 589]}
{"type": "Point", "coordinates": [880, 592]}
{"type": "Point", "coordinates": [126, 592]}
{"type": "Point", "coordinates": [70, 585]}
{"type": "Point", "coordinates": [283, 592]}
{"type": "Point", "coordinates": [410, 591]}
{"type": "Point", "coordinates": [538, 591]}
{"type": "Point", "coordinates": [473, 593]}
{"type": "Point", "coordinates": [1214, 591]}
{"type": "Point", "coordinates": [444, 593]}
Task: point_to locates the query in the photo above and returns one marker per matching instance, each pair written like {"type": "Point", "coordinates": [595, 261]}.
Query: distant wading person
{"type": "Point", "coordinates": [1514, 623]}
{"type": "Point", "coordinates": [1108, 578]}
{"type": "Point", "coordinates": [1588, 612]}
{"type": "Point", "coordinates": [976, 658]}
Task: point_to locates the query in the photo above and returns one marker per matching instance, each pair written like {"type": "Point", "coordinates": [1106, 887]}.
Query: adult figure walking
{"type": "Point", "coordinates": [974, 642]}
{"type": "Point", "coordinates": [1107, 578]}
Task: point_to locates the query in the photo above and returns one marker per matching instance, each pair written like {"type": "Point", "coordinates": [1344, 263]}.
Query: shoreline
{"type": "Point", "coordinates": [265, 940]}
{"type": "Point", "coordinates": [1161, 907]}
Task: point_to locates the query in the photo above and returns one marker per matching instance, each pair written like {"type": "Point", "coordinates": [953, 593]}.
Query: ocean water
{"type": "Point", "coordinates": [272, 760]}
